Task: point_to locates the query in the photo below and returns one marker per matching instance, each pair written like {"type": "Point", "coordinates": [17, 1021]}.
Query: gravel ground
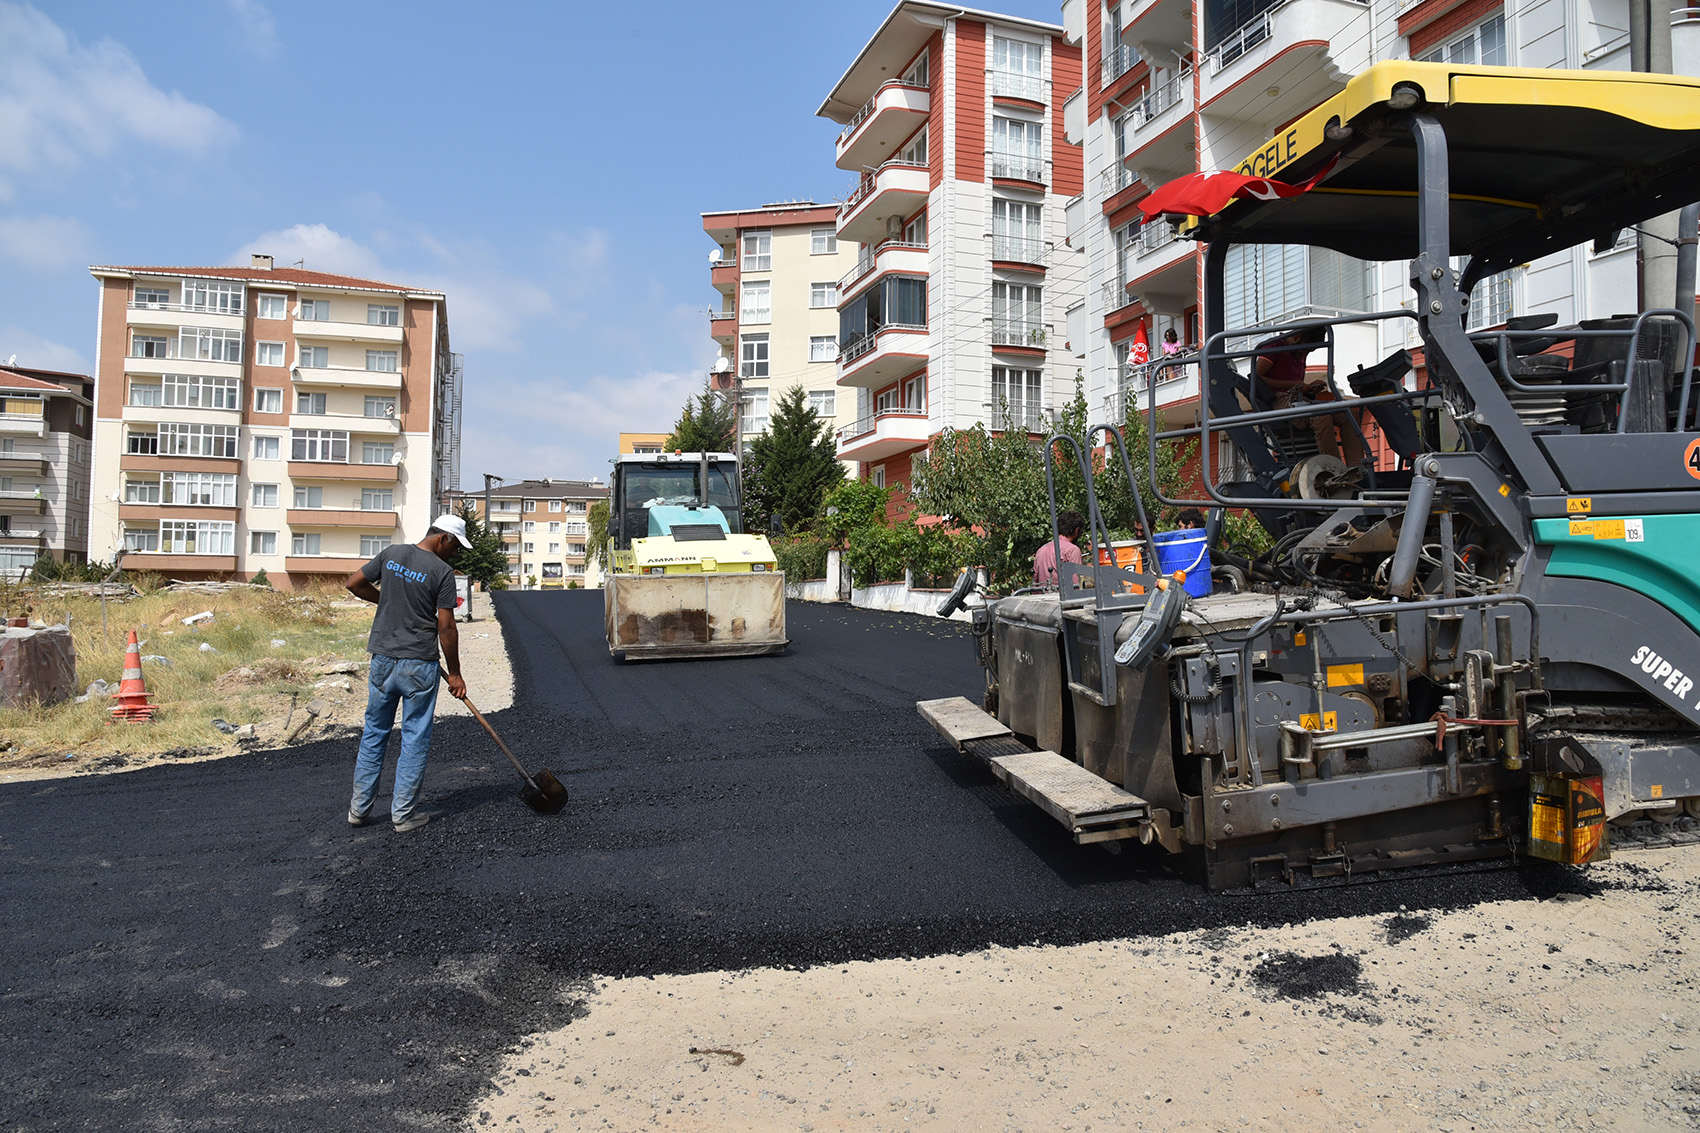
{"type": "Point", "coordinates": [221, 950]}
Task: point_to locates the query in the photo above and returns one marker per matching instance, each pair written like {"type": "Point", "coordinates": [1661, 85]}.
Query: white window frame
{"type": "Point", "coordinates": [824, 402]}
{"type": "Point", "coordinates": [752, 292]}
{"type": "Point", "coordinates": [314, 311]}
{"type": "Point", "coordinates": [136, 491]}
{"type": "Point", "coordinates": [757, 246]}
{"type": "Point", "coordinates": [200, 391]}
{"type": "Point", "coordinates": [823, 348]}
{"type": "Point", "coordinates": [262, 495]}
{"type": "Point", "coordinates": [271, 305]}
{"type": "Point", "coordinates": [823, 295]}
{"type": "Point", "coordinates": [1466, 48]}
{"type": "Point", "coordinates": [384, 406]}
{"type": "Point", "coordinates": [267, 447]}
{"type": "Point", "coordinates": [319, 446]}
{"type": "Point", "coordinates": [312, 357]}
{"type": "Point", "coordinates": [383, 314]}
{"type": "Point", "coordinates": [377, 499]}
{"type": "Point", "coordinates": [308, 497]}
{"type": "Point", "coordinates": [754, 356]}
{"type": "Point", "coordinates": [262, 542]}
{"type": "Point", "coordinates": [306, 543]}
{"type": "Point", "coordinates": [193, 536]}
{"type": "Point", "coordinates": [823, 241]}
{"type": "Point", "coordinates": [383, 451]}
{"type": "Point", "coordinates": [146, 394]}
{"type": "Point", "coordinates": [266, 396]}
{"type": "Point", "coordinates": [383, 361]}
{"type": "Point", "coordinates": [268, 354]}
{"type": "Point", "coordinates": [371, 546]}
{"type": "Point", "coordinates": [311, 403]}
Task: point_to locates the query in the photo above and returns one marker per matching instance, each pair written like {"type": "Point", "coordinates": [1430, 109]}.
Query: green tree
{"type": "Point", "coordinates": [487, 559]}
{"type": "Point", "coordinates": [792, 466]}
{"type": "Point", "coordinates": [596, 540]}
{"type": "Point", "coordinates": [708, 423]}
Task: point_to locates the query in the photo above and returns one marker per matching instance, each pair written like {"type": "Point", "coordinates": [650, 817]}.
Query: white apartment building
{"type": "Point", "coordinates": [46, 422]}
{"type": "Point", "coordinates": [957, 309]}
{"type": "Point", "coordinates": [268, 418]}
{"type": "Point", "coordinates": [1174, 86]}
{"type": "Point", "coordinates": [777, 269]}
{"type": "Point", "coordinates": [544, 525]}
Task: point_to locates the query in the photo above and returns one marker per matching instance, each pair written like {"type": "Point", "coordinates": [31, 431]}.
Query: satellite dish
{"type": "Point", "coordinates": [396, 458]}
{"type": "Point", "coordinates": [715, 256]}
{"type": "Point", "coordinates": [722, 364]}
{"type": "Point", "coordinates": [12, 361]}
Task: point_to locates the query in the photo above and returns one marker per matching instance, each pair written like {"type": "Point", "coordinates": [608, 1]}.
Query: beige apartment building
{"type": "Point", "coordinates": [268, 418]}
{"type": "Point", "coordinates": [778, 270]}
{"type": "Point", "coordinates": [46, 422]}
{"type": "Point", "coordinates": [543, 523]}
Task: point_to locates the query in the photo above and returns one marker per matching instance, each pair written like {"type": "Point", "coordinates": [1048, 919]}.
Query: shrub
{"type": "Point", "coordinates": [802, 558]}
{"type": "Point", "coordinates": [260, 578]}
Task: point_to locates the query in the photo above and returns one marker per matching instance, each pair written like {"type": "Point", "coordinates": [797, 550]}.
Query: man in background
{"type": "Point", "coordinates": [1069, 526]}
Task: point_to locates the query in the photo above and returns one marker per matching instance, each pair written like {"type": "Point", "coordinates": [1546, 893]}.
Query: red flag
{"type": "Point", "coordinates": [1201, 194]}
{"type": "Point", "coordinates": [1140, 353]}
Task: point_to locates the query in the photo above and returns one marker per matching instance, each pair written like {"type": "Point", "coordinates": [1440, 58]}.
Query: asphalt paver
{"type": "Point", "coordinates": [211, 946]}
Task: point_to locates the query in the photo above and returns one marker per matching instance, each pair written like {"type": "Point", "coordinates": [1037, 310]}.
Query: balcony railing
{"type": "Point", "coordinates": [1162, 98]}
{"type": "Point", "coordinates": [716, 316]}
{"type": "Point", "coordinates": [1116, 178]}
{"type": "Point", "coordinates": [1153, 236]}
{"type": "Point", "coordinates": [865, 425]}
{"type": "Point", "coordinates": [185, 308]}
{"type": "Point", "coordinates": [868, 108]}
{"type": "Point", "coordinates": [866, 184]}
{"type": "Point", "coordinates": [870, 255]}
{"type": "Point", "coordinates": [1118, 61]}
{"type": "Point", "coordinates": [1247, 36]}
{"type": "Point", "coordinates": [1020, 249]}
{"type": "Point", "coordinates": [1024, 167]}
{"type": "Point", "coordinates": [1017, 332]}
{"type": "Point", "coordinates": [851, 351]}
{"type": "Point", "coordinates": [1018, 84]}
{"type": "Point", "coordinates": [1030, 418]}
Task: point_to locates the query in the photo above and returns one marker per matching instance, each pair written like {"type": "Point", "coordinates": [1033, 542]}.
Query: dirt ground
{"type": "Point", "coordinates": [484, 664]}
{"type": "Point", "coordinates": [1575, 1012]}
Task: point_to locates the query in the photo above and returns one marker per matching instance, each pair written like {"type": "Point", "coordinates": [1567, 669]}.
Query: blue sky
{"type": "Point", "coordinates": [543, 164]}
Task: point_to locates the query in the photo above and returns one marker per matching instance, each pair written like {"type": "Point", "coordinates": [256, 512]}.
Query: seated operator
{"type": "Point", "coordinates": [1282, 374]}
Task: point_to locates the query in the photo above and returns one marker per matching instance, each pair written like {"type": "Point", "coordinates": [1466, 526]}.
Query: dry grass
{"type": "Point", "coordinates": [196, 686]}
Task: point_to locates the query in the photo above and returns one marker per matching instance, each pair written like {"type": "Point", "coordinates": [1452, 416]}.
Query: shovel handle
{"type": "Point", "coordinates": [523, 774]}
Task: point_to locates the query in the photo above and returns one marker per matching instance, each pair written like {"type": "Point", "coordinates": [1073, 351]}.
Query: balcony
{"type": "Point", "coordinates": [1163, 27]}
{"type": "Point", "coordinates": [346, 377]}
{"type": "Point", "coordinates": [1117, 62]}
{"type": "Point", "coordinates": [23, 464]}
{"type": "Point", "coordinates": [1018, 336]}
{"type": "Point", "coordinates": [21, 416]}
{"type": "Point", "coordinates": [348, 332]}
{"type": "Point", "coordinates": [334, 470]}
{"type": "Point", "coordinates": [164, 563]}
{"type": "Point", "coordinates": [886, 433]}
{"type": "Point", "coordinates": [27, 538]}
{"type": "Point", "coordinates": [374, 520]}
{"type": "Point", "coordinates": [1003, 417]}
{"type": "Point", "coordinates": [878, 359]}
{"type": "Point", "coordinates": [886, 256]}
{"type": "Point", "coordinates": [1163, 140]}
{"type": "Point", "coordinates": [723, 275]}
{"type": "Point", "coordinates": [22, 503]}
{"type": "Point", "coordinates": [1018, 84]}
{"type": "Point", "coordinates": [175, 315]}
{"type": "Point", "coordinates": [1285, 60]}
{"type": "Point", "coordinates": [387, 427]}
{"type": "Point", "coordinates": [898, 188]}
{"type": "Point", "coordinates": [1025, 250]}
{"type": "Point", "coordinates": [723, 326]}
{"type": "Point", "coordinates": [896, 110]}
{"type": "Point", "coordinates": [133, 512]}
{"type": "Point", "coordinates": [1019, 167]}
{"type": "Point", "coordinates": [1166, 279]}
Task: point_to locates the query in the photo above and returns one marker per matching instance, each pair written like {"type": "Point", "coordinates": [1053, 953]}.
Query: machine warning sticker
{"type": "Point", "coordinates": [1330, 722]}
{"type": "Point", "coordinates": [1633, 531]}
{"type": "Point", "coordinates": [1505, 490]}
{"type": "Point", "coordinates": [1579, 505]}
{"type": "Point", "coordinates": [1691, 459]}
{"type": "Point", "coordinates": [1339, 675]}
{"type": "Point", "coordinates": [1602, 528]}
{"type": "Point", "coordinates": [1658, 790]}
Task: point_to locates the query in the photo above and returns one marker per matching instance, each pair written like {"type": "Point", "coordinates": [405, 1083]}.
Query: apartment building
{"type": "Point", "coordinates": [777, 269]}
{"type": "Point", "coordinates": [46, 425]}
{"type": "Point", "coordinates": [543, 523]}
{"type": "Point", "coordinates": [1175, 86]}
{"type": "Point", "coordinates": [268, 418]}
{"type": "Point", "coordinates": [639, 443]}
{"type": "Point", "coordinates": [956, 310]}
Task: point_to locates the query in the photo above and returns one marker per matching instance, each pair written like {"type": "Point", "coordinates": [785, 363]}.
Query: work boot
{"type": "Point", "coordinates": [359, 819]}
{"type": "Point", "coordinates": [412, 822]}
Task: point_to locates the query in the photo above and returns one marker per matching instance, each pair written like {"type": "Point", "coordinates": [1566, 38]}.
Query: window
{"type": "Point", "coordinates": [268, 354]}
{"type": "Point", "coordinates": [878, 476]}
{"type": "Point", "coordinates": [823, 294]}
{"type": "Point", "coordinates": [309, 497]}
{"type": "Point", "coordinates": [262, 542]}
{"type": "Point", "coordinates": [383, 361]}
{"type": "Point", "coordinates": [199, 489]}
{"type": "Point", "coordinates": [79, 413]}
{"type": "Point", "coordinates": [753, 411]}
{"type": "Point", "coordinates": [530, 505]}
{"type": "Point", "coordinates": [1017, 233]}
{"type": "Point", "coordinates": [824, 402]}
{"type": "Point", "coordinates": [273, 306]}
{"type": "Point", "coordinates": [318, 445]}
{"type": "Point", "coordinates": [576, 549]}
{"type": "Point", "coordinates": [896, 301]}
{"type": "Point", "coordinates": [377, 499]}
{"type": "Point", "coordinates": [758, 302]}
{"type": "Point", "coordinates": [141, 491]}
{"type": "Point", "coordinates": [1017, 68]}
{"type": "Point", "coordinates": [915, 392]}
{"type": "Point", "coordinates": [529, 527]}
{"type": "Point", "coordinates": [373, 545]}
{"type": "Point", "coordinates": [1017, 396]}
{"type": "Point", "coordinates": [151, 297]}
{"type": "Point", "coordinates": [313, 357]}
{"type": "Point", "coordinates": [197, 537]}
{"type": "Point", "coordinates": [823, 348]}
{"type": "Point", "coordinates": [1017, 315]}
{"type": "Point", "coordinates": [268, 401]}
{"type": "Point", "coordinates": [915, 153]}
{"type": "Point", "coordinates": [551, 570]}
{"type": "Point", "coordinates": [916, 75]}
{"type": "Point", "coordinates": [1017, 149]}
{"type": "Point", "coordinates": [265, 448]}
{"type": "Point", "coordinates": [209, 344]}
{"type": "Point", "coordinates": [554, 548]}
{"type": "Point", "coordinates": [264, 495]}
{"type": "Point", "coordinates": [144, 393]}
{"type": "Point", "coordinates": [383, 314]}
{"type": "Point", "coordinates": [758, 249]}
{"type": "Point", "coordinates": [197, 440]}
{"type": "Point", "coordinates": [377, 452]}
{"type": "Point", "coordinates": [1493, 300]}
{"type": "Point", "coordinates": [554, 505]}
{"type": "Point", "coordinates": [753, 356]}
{"type": "Point", "coordinates": [1266, 282]}
{"type": "Point", "coordinates": [823, 241]}
{"type": "Point", "coordinates": [1484, 43]}
{"type": "Point", "coordinates": [528, 548]}
{"type": "Point", "coordinates": [915, 232]}
{"type": "Point", "coordinates": [141, 540]}
{"type": "Point", "coordinates": [315, 310]}
{"type": "Point", "coordinates": [149, 346]}
{"type": "Point", "coordinates": [195, 391]}
{"type": "Point", "coordinates": [305, 544]}
{"type": "Point", "coordinates": [309, 402]}
{"type": "Point", "coordinates": [555, 528]}
{"type": "Point", "coordinates": [211, 295]}
{"type": "Point", "coordinates": [380, 406]}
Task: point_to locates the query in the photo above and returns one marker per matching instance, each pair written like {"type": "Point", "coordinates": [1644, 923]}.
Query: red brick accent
{"type": "Point", "coordinates": [935, 110]}
{"type": "Point", "coordinates": [970, 100]}
{"type": "Point", "coordinates": [1068, 162]}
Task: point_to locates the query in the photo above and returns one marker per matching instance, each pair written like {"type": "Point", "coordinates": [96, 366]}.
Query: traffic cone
{"type": "Point", "coordinates": [132, 695]}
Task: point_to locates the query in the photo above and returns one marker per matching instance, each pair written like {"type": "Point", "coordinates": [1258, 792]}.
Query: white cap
{"type": "Point", "coordinates": [455, 526]}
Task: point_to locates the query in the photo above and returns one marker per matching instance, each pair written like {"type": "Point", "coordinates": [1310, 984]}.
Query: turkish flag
{"type": "Point", "coordinates": [1140, 353]}
{"type": "Point", "coordinates": [1202, 194]}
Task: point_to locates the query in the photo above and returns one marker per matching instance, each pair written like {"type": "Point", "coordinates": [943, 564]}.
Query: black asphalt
{"type": "Point", "coordinates": [210, 946]}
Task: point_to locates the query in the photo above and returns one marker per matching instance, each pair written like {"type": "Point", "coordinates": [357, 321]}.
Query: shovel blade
{"type": "Point", "coordinates": [549, 797]}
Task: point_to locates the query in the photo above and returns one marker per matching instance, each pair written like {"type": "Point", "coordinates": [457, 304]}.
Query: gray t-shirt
{"type": "Point", "coordinates": [413, 584]}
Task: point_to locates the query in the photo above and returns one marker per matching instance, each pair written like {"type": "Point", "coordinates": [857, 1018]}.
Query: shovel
{"type": "Point", "coordinates": [543, 792]}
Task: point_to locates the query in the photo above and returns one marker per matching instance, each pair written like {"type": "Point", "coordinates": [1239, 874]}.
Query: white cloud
{"type": "Point", "coordinates": [45, 242]}
{"type": "Point", "coordinates": [40, 353]}
{"type": "Point", "coordinates": [321, 247]}
{"type": "Point", "coordinates": [62, 101]}
{"type": "Point", "coordinates": [257, 26]}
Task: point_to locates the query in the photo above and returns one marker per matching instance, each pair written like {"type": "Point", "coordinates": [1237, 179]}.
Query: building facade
{"type": "Point", "coordinates": [956, 310]}
{"type": "Point", "coordinates": [1175, 86]}
{"type": "Point", "coordinates": [46, 429]}
{"type": "Point", "coordinates": [777, 269]}
{"type": "Point", "coordinates": [639, 443]}
{"type": "Point", "coordinates": [544, 524]}
{"type": "Point", "coordinates": [264, 418]}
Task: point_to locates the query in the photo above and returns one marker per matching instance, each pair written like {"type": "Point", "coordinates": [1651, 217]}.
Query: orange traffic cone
{"type": "Point", "coordinates": [132, 695]}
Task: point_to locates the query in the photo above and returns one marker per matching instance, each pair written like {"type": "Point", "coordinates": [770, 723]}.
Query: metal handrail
{"type": "Point", "coordinates": [1233, 47]}
{"type": "Point", "coordinates": [186, 308]}
{"type": "Point", "coordinates": [870, 255]}
{"type": "Point", "coordinates": [862, 426]}
{"type": "Point", "coordinates": [1161, 98]}
{"type": "Point", "coordinates": [1152, 236]}
{"type": "Point", "coordinates": [1017, 332]}
{"type": "Point", "coordinates": [1024, 167]}
{"type": "Point", "coordinates": [863, 345]}
{"type": "Point", "coordinates": [1018, 84]}
{"type": "Point", "coordinates": [1116, 178]}
{"type": "Point", "coordinates": [869, 181]}
{"type": "Point", "coordinates": [867, 109]}
{"type": "Point", "coordinates": [1118, 61]}
{"type": "Point", "coordinates": [1032, 418]}
{"type": "Point", "coordinates": [715, 316]}
{"type": "Point", "coordinates": [1021, 249]}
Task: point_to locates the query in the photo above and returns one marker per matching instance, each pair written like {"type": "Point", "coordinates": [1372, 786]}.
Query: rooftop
{"type": "Point", "coordinates": [287, 278]}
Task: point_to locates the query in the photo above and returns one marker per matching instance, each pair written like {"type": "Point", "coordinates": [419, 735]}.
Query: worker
{"type": "Point", "coordinates": [1189, 519]}
{"type": "Point", "coordinates": [413, 585]}
{"type": "Point", "coordinates": [1069, 526]}
{"type": "Point", "coordinates": [1281, 374]}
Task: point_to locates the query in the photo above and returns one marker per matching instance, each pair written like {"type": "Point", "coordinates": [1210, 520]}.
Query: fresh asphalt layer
{"type": "Point", "coordinates": [210, 945]}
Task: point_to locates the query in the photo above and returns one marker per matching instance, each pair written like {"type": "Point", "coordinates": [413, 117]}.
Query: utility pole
{"type": "Point", "coordinates": [1649, 51]}
{"type": "Point", "coordinates": [487, 479]}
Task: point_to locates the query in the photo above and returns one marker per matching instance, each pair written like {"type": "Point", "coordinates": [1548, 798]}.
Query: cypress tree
{"type": "Point", "coordinates": [792, 466]}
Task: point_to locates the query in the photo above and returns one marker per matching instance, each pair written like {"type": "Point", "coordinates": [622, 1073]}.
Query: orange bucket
{"type": "Point", "coordinates": [1127, 554]}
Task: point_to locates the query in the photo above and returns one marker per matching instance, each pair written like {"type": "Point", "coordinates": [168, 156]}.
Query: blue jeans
{"type": "Point", "coordinates": [412, 684]}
